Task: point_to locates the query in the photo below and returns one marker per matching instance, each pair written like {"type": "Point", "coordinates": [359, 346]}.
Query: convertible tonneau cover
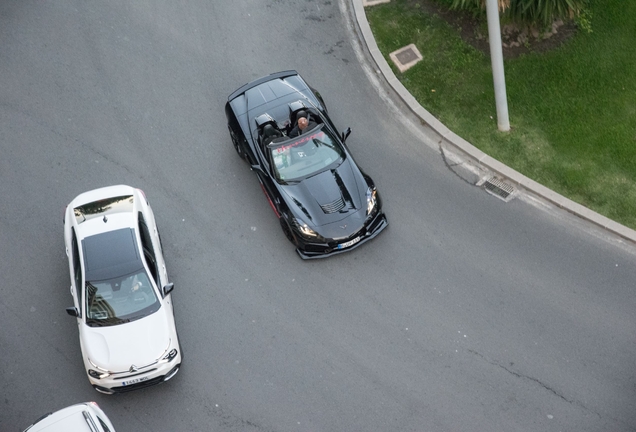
{"type": "Point", "coordinates": [244, 88]}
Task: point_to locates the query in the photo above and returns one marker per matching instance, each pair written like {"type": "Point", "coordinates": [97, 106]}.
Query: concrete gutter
{"type": "Point", "coordinates": [482, 161]}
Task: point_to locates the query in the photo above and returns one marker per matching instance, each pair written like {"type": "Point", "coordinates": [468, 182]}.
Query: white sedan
{"type": "Point", "coordinates": [120, 290]}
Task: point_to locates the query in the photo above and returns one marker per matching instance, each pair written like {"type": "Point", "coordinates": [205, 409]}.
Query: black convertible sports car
{"type": "Point", "coordinates": [325, 203]}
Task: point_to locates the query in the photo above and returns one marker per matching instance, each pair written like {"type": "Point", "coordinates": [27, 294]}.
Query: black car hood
{"type": "Point", "coordinates": [329, 196]}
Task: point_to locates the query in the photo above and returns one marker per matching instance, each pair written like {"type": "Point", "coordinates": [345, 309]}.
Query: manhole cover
{"type": "Point", "coordinates": [406, 57]}
{"type": "Point", "coordinates": [366, 3]}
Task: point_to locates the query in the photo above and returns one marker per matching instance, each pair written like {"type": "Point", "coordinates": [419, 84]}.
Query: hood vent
{"type": "Point", "coordinates": [333, 207]}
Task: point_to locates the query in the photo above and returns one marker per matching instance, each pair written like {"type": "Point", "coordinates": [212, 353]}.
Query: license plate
{"type": "Point", "coordinates": [349, 243]}
{"type": "Point", "coordinates": [134, 381]}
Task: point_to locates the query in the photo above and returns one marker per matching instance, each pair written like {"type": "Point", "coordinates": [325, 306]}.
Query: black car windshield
{"type": "Point", "coordinates": [310, 153]}
{"type": "Point", "coordinates": [120, 300]}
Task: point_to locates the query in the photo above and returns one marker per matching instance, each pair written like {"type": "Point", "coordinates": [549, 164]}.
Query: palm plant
{"type": "Point", "coordinates": [527, 12]}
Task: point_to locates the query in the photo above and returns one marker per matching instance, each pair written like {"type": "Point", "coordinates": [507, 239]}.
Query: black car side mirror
{"type": "Point", "coordinates": [345, 134]}
{"type": "Point", "coordinates": [167, 289]}
{"type": "Point", "coordinates": [72, 311]}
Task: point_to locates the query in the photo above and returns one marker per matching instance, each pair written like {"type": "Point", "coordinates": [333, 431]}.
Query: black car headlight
{"type": "Point", "coordinates": [372, 200]}
{"type": "Point", "coordinates": [304, 229]}
{"type": "Point", "coordinates": [171, 355]}
{"type": "Point", "coordinates": [98, 374]}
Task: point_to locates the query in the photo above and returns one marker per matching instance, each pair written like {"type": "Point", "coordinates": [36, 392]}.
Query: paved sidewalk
{"type": "Point", "coordinates": [480, 161]}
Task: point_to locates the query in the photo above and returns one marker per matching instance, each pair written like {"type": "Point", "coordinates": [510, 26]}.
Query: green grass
{"type": "Point", "coordinates": [572, 110]}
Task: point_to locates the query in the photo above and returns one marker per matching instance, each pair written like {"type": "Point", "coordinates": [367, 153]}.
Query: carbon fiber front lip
{"type": "Point", "coordinates": [377, 225]}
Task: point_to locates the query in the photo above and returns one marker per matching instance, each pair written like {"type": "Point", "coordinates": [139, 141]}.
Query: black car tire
{"type": "Point", "coordinates": [237, 144]}
{"type": "Point", "coordinates": [287, 230]}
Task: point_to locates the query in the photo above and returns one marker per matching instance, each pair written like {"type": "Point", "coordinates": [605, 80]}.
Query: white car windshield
{"type": "Point", "coordinates": [303, 156]}
{"type": "Point", "coordinates": [120, 300]}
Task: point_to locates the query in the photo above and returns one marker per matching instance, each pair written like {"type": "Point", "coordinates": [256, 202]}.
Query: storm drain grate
{"type": "Point", "coordinates": [499, 188]}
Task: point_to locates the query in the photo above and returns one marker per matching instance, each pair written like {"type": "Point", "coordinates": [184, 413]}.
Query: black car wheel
{"type": "Point", "coordinates": [237, 144]}
{"type": "Point", "coordinates": [287, 230]}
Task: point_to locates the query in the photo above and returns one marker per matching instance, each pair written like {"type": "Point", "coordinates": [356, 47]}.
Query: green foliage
{"type": "Point", "coordinates": [572, 109]}
{"type": "Point", "coordinates": [584, 21]}
{"type": "Point", "coordinates": [528, 12]}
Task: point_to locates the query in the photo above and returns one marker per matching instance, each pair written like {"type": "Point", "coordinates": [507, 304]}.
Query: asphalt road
{"type": "Point", "coordinates": [467, 313]}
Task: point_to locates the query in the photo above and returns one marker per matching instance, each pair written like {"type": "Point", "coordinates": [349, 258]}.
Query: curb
{"type": "Point", "coordinates": [482, 160]}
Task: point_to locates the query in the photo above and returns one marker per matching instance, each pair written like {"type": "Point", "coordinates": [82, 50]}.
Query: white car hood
{"type": "Point", "coordinates": [138, 343]}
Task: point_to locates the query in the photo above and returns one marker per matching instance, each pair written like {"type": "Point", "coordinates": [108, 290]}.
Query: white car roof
{"type": "Point", "coordinates": [101, 193]}
{"type": "Point", "coordinates": [107, 216]}
{"type": "Point", "coordinates": [77, 418]}
{"type": "Point", "coordinates": [90, 219]}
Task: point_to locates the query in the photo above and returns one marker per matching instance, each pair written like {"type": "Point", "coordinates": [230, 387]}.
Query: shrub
{"type": "Point", "coordinates": [533, 13]}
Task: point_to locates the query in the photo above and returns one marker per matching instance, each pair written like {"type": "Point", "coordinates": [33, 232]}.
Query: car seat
{"type": "Point", "coordinates": [269, 133]}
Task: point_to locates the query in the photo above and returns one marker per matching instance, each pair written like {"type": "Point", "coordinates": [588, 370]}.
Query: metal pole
{"type": "Point", "coordinates": [496, 58]}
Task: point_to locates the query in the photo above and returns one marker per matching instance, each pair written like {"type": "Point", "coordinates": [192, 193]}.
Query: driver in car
{"type": "Point", "coordinates": [302, 125]}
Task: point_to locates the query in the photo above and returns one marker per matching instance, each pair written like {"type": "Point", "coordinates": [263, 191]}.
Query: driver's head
{"type": "Point", "coordinates": [302, 122]}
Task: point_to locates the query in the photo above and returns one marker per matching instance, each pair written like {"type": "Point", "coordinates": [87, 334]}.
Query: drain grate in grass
{"type": "Point", "coordinates": [406, 57]}
{"type": "Point", "coordinates": [366, 3]}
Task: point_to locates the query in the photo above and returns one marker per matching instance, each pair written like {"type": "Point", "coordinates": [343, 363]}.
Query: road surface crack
{"type": "Point", "coordinates": [465, 175]}
{"type": "Point", "coordinates": [529, 378]}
